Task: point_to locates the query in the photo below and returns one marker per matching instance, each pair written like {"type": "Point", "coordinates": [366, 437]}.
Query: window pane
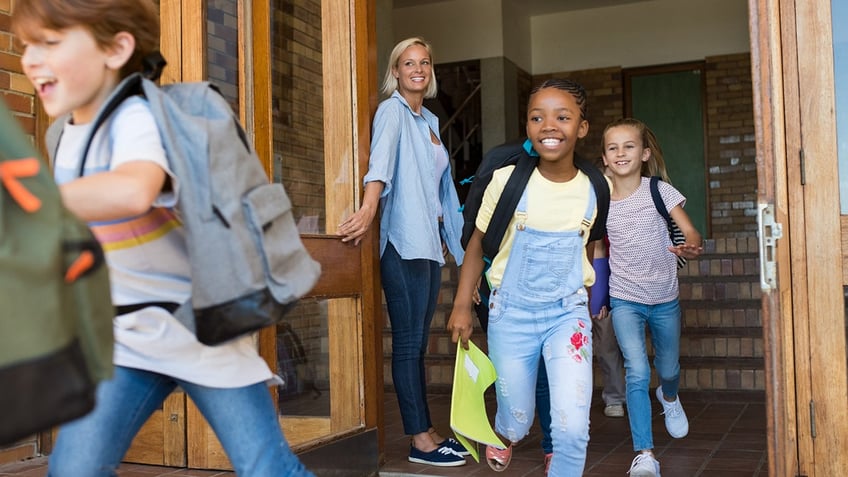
{"type": "Point", "coordinates": [303, 360]}
{"type": "Point", "coordinates": [298, 109]}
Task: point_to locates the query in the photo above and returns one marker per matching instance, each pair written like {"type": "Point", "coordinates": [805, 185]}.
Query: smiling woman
{"type": "Point", "coordinates": [409, 178]}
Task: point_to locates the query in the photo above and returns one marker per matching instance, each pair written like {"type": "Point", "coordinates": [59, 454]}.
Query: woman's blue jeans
{"type": "Point", "coordinates": [243, 419]}
{"type": "Point", "coordinates": [663, 320]}
{"type": "Point", "coordinates": [412, 289]}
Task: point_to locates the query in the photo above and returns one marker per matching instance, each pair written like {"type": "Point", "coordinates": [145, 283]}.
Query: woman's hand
{"type": "Point", "coordinates": [355, 226]}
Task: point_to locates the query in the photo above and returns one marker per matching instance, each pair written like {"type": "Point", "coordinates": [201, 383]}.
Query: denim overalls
{"type": "Point", "coordinates": [541, 309]}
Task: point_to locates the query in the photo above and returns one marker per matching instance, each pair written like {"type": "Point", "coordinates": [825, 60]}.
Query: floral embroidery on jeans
{"type": "Point", "coordinates": [579, 343]}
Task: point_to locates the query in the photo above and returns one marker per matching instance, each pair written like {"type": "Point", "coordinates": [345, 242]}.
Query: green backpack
{"type": "Point", "coordinates": [56, 314]}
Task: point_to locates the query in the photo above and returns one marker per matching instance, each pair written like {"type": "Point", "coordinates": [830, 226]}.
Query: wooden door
{"type": "Point", "coordinates": [802, 257]}
{"type": "Point", "coordinates": [300, 75]}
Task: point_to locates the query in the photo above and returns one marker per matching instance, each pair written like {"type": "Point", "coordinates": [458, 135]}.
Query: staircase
{"type": "Point", "coordinates": [721, 347]}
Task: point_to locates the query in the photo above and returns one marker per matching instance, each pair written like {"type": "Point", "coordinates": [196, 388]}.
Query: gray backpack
{"type": "Point", "coordinates": [248, 264]}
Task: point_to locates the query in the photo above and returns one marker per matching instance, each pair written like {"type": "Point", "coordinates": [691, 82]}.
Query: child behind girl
{"type": "Point", "coordinates": [75, 54]}
{"type": "Point", "coordinates": [643, 281]}
{"type": "Point", "coordinates": [538, 304]}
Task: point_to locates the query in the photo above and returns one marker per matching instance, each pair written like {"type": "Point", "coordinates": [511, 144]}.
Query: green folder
{"type": "Point", "coordinates": [473, 373]}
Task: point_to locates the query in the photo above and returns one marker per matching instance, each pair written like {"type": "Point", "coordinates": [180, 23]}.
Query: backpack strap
{"type": "Point", "coordinates": [658, 201]}
{"type": "Point", "coordinates": [506, 204]}
{"type": "Point", "coordinates": [602, 194]}
{"type": "Point", "coordinates": [130, 86]}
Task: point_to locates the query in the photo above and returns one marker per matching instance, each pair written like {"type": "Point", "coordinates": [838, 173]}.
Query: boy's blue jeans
{"type": "Point", "coordinates": [243, 419]}
{"type": "Point", "coordinates": [663, 320]}
{"type": "Point", "coordinates": [412, 289]}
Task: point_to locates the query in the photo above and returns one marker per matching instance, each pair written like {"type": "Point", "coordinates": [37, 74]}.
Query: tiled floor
{"type": "Point", "coordinates": [727, 438]}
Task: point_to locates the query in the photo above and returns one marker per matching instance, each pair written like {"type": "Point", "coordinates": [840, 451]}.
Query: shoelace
{"type": "Point", "coordinates": [674, 409]}
{"type": "Point", "coordinates": [638, 460]}
{"type": "Point", "coordinates": [447, 451]}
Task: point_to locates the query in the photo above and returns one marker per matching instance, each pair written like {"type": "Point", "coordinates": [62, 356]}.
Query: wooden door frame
{"type": "Point", "coordinates": [350, 97]}
{"type": "Point", "coordinates": [791, 45]}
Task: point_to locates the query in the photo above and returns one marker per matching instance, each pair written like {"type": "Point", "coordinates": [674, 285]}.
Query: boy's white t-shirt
{"type": "Point", "coordinates": [551, 207]}
{"type": "Point", "coordinates": [148, 262]}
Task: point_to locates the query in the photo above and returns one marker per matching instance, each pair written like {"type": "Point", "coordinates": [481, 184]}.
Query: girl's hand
{"type": "Point", "coordinates": [460, 327]}
{"type": "Point", "coordinates": [355, 226]}
{"type": "Point", "coordinates": [687, 250]}
{"type": "Point", "coordinates": [475, 295]}
{"type": "Point", "coordinates": [602, 314]}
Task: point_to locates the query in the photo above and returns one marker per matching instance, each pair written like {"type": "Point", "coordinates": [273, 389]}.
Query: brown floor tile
{"type": "Point", "coordinates": [726, 439]}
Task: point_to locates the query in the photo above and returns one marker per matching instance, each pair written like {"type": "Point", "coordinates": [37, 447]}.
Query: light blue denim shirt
{"type": "Point", "coordinates": [402, 158]}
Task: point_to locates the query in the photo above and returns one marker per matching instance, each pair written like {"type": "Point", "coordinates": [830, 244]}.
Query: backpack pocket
{"type": "Point", "coordinates": [290, 271]}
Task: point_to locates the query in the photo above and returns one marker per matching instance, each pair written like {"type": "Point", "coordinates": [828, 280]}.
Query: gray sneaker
{"type": "Point", "coordinates": [644, 465]}
{"type": "Point", "coordinates": [614, 410]}
{"type": "Point", "coordinates": [676, 422]}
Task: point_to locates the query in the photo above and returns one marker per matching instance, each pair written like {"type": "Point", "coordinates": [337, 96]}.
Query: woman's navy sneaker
{"type": "Point", "coordinates": [455, 446]}
{"type": "Point", "coordinates": [441, 457]}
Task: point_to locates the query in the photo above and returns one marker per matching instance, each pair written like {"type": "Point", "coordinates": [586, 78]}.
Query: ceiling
{"type": "Point", "coordinates": [537, 7]}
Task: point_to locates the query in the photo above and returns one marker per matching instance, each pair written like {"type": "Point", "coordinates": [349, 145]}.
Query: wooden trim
{"type": "Point", "coordinates": [346, 369]}
{"type": "Point", "coordinates": [170, 16]}
{"type": "Point", "coordinates": [258, 99]}
{"type": "Point", "coordinates": [335, 281]}
{"type": "Point", "coordinates": [767, 83]}
{"type": "Point", "coordinates": [193, 38]}
{"type": "Point", "coordinates": [824, 318]}
{"type": "Point", "coordinates": [365, 58]}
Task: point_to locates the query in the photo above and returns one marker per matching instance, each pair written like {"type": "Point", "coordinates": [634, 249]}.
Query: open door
{"type": "Point", "coordinates": [300, 75]}
{"type": "Point", "coordinates": [803, 270]}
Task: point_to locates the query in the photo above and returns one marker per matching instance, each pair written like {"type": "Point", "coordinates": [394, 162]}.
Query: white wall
{"type": "Point", "coordinates": [639, 34]}
{"type": "Point", "coordinates": [458, 30]}
{"type": "Point", "coordinates": [634, 34]}
{"type": "Point", "coordinates": [517, 44]}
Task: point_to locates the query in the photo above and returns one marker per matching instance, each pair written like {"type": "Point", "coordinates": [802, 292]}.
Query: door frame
{"type": "Point", "coordinates": [178, 435]}
{"type": "Point", "coordinates": [803, 309]}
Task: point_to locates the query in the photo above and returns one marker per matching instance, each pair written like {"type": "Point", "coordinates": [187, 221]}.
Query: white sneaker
{"type": "Point", "coordinates": [614, 410]}
{"type": "Point", "coordinates": [644, 465]}
{"type": "Point", "coordinates": [676, 422]}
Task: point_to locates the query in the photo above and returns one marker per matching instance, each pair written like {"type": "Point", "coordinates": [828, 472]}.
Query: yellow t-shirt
{"type": "Point", "coordinates": [551, 207]}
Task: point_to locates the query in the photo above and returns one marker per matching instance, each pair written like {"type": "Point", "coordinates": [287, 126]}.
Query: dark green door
{"type": "Point", "coordinates": [671, 104]}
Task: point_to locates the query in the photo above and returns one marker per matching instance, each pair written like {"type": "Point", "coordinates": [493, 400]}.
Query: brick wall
{"type": "Point", "coordinates": [730, 147]}
{"type": "Point", "coordinates": [731, 151]}
{"type": "Point", "coordinates": [16, 89]}
{"type": "Point", "coordinates": [222, 55]}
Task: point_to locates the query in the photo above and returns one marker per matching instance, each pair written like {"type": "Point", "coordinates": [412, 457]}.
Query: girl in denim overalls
{"type": "Point", "coordinates": [539, 303]}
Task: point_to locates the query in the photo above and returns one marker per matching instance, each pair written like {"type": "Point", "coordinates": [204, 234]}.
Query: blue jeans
{"type": "Point", "coordinates": [243, 419]}
{"type": "Point", "coordinates": [629, 320]}
{"type": "Point", "coordinates": [518, 338]}
{"type": "Point", "coordinates": [412, 289]}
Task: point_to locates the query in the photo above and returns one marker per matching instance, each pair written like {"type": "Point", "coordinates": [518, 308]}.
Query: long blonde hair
{"type": "Point", "coordinates": [655, 165]}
